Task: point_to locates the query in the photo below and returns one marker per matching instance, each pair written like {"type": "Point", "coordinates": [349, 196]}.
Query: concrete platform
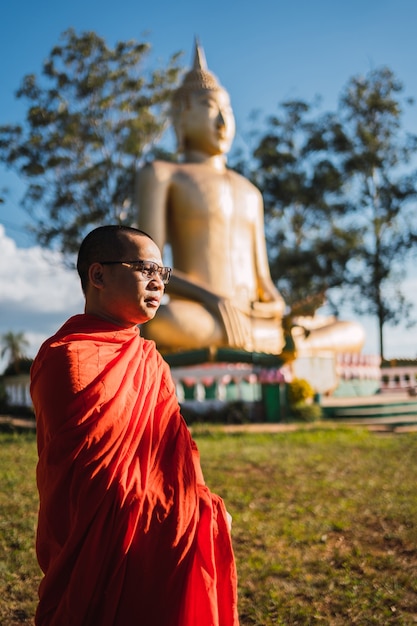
{"type": "Point", "coordinates": [395, 412]}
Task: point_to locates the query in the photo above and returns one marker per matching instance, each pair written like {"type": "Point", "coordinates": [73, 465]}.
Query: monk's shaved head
{"type": "Point", "coordinates": [101, 244]}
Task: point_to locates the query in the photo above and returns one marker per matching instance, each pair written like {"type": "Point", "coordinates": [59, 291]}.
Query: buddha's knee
{"type": "Point", "coordinates": [183, 325]}
{"type": "Point", "coordinates": [338, 336]}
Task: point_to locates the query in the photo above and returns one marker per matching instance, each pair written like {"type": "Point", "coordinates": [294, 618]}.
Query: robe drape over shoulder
{"type": "Point", "coordinates": [128, 533]}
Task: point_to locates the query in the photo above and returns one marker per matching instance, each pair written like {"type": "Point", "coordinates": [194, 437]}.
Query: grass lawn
{"type": "Point", "coordinates": [324, 524]}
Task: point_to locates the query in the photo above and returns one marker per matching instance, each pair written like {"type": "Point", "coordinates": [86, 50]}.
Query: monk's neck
{"type": "Point", "coordinates": [217, 161]}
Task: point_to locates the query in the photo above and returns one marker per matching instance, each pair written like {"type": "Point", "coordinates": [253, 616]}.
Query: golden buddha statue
{"type": "Point", "coordinates": [221, 293]}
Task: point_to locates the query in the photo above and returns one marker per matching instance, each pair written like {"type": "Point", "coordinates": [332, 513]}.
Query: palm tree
{"type": "Point", "coordinates": [14, 344]}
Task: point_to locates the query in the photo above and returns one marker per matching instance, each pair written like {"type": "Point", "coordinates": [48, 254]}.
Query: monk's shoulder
{"type": "Point", "coordinates": [152, 354]}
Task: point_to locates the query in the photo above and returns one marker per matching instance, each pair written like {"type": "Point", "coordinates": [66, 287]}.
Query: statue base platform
{"type": "Point", "coordinates": [222, 355]}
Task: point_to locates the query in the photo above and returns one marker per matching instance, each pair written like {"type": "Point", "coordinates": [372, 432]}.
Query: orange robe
{"type": "Point", "coordinates": [128, 533]}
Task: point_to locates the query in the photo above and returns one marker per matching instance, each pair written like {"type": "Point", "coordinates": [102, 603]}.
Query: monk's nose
{"type": "Point", "coordinates": [156, 283]}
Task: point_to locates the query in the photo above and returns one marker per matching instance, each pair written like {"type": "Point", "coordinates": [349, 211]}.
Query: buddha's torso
{"type": "Point", "coordinates": [211, 218]}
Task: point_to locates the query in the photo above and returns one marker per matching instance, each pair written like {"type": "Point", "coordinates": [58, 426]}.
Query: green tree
{"type": "Point", "coordinates": [377, 167]}
{"type": "Point", "coordinates": [309, 235]}
{"type": "Point", "coordinates": [339, 193]}
{"type": "Point", "coordinates": [94, 114]}
{"type": "Point", "coordinates": [14, 345]}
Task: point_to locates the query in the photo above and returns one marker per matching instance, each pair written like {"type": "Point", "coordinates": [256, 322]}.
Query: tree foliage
{"type": "Point", "coordinates": [375, 164]}
{"type": "Point", "coordinates": [308, 239]}
{"type": "Point", "coordinates": [339, 192]}
{"type": "Point", "coordinates": [14, 345]}
{"type": "Point", "coordinates": [95, 113]}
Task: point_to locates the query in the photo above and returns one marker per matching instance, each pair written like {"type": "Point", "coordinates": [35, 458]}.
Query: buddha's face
{"type": "Point", "coordinates": [208, 123]}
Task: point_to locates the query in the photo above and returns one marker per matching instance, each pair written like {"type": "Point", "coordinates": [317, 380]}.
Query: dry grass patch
{"type": "Point", "coordinates": [324, 524]}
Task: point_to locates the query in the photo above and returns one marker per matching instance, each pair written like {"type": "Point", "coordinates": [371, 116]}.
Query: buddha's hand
{"type": "Point", "coordinates": [274, 308]}
{"type": "Point", "coordinates": [236, 324]}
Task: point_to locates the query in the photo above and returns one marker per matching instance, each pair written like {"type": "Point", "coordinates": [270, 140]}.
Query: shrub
{"type": "Point", "coordinates": [304, 412]}
{"type": "Point", "coordinates": [21, 366]}
{"type": "Point", "coordinates": [300, 396]}
{"type": "Point", "coordinates": [299, 390]}
{"type": "Point", "coordinates": [3, 396]}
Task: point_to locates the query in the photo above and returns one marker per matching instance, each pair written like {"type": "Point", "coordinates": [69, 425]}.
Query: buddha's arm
{"type": "Point", "coordinates": [270, 300]}
{"type": "Point", "coordinates": [182, 286]}
{"type": "Point", "coordinates": [151, 198]}
{"type": "Point", "coordinates": [222, 309]}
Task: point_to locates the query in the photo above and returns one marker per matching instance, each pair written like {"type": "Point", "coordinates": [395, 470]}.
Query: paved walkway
{"type": "Point", "coordinates": [8, 422]}
{"type": "Point", "coordinates": [380, 398]}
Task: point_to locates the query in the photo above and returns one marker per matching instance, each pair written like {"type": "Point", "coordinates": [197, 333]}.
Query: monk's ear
{"type": "Point", "coordinates": [95, 275]}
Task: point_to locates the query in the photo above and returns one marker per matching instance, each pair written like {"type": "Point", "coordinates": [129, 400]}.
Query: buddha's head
{"type": "Point", "coordinates": [201, 112]}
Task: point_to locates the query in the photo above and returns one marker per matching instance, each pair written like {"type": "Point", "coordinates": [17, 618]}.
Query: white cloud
{"type": "Point", "coordinates": [37, 293]}
{"type": "Point", "coordinates": [399, 341]}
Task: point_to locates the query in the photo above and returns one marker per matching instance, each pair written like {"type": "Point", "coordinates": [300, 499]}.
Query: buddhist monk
{"type": "Point", "coordinates": [128, 532]}
{"type": "Point", "coordinates": [212, 219]}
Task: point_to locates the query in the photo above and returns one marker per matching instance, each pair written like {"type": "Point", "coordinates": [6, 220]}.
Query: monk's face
{"type": "Point", "coordinates": [124, 295]}
{"type": "Point", "coordinates": [208, 124]}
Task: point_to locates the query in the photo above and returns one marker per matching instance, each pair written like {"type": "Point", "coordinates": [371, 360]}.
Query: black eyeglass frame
{"type": "Point", "coordinates": [138, 266]}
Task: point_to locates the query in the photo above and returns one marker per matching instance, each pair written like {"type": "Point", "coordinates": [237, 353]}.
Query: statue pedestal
{"type": "Point", "coordinates": [212, 377]}
{"type": "Point", "coordinates": [221, 355]}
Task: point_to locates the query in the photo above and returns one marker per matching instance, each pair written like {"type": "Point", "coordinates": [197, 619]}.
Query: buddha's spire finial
{"type": "Point", "coordinates": [199, 77]}
{"type": "Point", "coordinates": [200, 63]}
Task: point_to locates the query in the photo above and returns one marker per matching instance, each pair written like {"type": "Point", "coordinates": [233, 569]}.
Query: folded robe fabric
{"type": "Point", "coordinates": [128, 533]}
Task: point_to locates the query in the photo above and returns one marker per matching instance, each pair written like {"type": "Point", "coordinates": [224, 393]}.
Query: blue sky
{"type": "Point", "coordinates": [263, 52]}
